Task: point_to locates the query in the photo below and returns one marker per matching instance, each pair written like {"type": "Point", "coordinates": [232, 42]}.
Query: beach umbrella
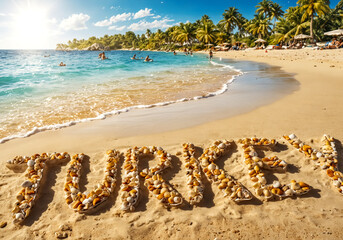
{"type": "Point", "coordinates": [337, 32]}
{"type": "Point", "coordinates": [260, 40]}
{"type": "Point", "coordinates": [301, 36]}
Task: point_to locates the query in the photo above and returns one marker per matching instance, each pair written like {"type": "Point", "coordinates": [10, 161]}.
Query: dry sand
{"type": "Point", "coordinates": [309, 112]}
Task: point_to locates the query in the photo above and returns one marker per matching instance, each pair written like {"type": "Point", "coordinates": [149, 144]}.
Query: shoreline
{"type": "Point", "coordinates": [309, 112]}
{"type": "Point", "coordinates": [227, 86]}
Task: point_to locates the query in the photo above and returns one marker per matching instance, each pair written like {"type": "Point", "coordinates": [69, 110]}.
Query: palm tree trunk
{"type": "Point", "coordinates": [311, 28]}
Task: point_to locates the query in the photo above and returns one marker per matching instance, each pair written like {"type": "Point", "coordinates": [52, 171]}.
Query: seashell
{"type": "Point", "coordinates": [73, 190]}
{"type": "Point", "coordinates": [276, 184]}
{"type": "Point", "coordinates": [76, 204]}
{"type": "Point", "coordinates": [130, 200]}
{"type": "Point", "coordinates": [19, 216]}
{"type": "Point", "coordinates": [96, 201]}
{"type": "Point", "coordinates": [167, 195]}
{"type": "Point", "coordinates": [295, 186]}
{"type": "Point", "coordinates": [20, 197]}
{"type": "Point", "coordinates": [30, 163]}
{"type": "Point", "coordinates": [171, 200]}
{"type": "Point", "coordinates": [289, 192]}
{"type": "Point", "coordinates": [267, 193]}
{"type": "Point", "coordinates": [222, 185]}
{"type": "Point", "coordinates": [254, 179]}
{"type": "Point", "coordinates": [221, 146]}
{"type": "Point", "coordinates": [259, 191]}
{"type": "Point", "coordinates": [292, 136]}
{"type": "Point", "coordinates": [263, 181]}
{"type": "Point", "coordinates": [177, 199]}
{"type": "Point", "coordinates": [221, 176]}
{"type": "Point", "coordinates": [256, 185]}
{"type": "Point", "coordinates": [302, 184]}
{"type": "Point", "coordinates": [211, 167]}
{"type": "Point", "coordinates": [26, 184]}
{"type": "Point", "coordinates": [336, 184]}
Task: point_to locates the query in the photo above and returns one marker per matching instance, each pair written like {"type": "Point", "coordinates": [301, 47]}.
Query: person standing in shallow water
{"type": "Point", "coordinates": [211, 54]}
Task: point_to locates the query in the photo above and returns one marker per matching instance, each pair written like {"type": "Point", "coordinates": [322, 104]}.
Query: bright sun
{"type": "Point", "coordinates": [30, 28]}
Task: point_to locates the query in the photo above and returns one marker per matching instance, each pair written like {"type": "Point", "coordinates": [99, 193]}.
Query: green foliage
{"type": "Point", "coordinates": [312, 17]}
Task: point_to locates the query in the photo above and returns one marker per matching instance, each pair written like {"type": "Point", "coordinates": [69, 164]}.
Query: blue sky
{"type": "Point", "coordinates": [43, 24]}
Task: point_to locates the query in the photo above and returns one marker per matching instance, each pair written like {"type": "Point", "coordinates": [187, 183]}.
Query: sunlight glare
{"type": "Point", "coordinates": [31, 28]}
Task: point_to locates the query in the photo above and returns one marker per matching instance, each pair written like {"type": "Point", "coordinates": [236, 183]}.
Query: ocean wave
{"type": "Point", "coordinates": [222, 90]}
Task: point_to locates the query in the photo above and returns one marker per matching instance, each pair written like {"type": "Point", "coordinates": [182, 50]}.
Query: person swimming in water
{"type": "Point", "coordinates": [211, 54]}
{"type": "Point", "coordinates": [134, 57]}
{"type": "Point", "coordinates": [62, 64]}
{"type": "Point", "coordinates": [174, 53]}
{"type": "Point", "coordinates": [103, 57]}
{"type": "Point", "coordinates": [147, 59]}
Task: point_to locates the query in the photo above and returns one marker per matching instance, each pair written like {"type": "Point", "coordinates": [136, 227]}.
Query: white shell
{"type": "Point", "coordinates": [19, 216]}
{"type": "Point", "coordinates": [276, 184]}
{"type": "Point", "coordinates": [212, 166]}
{"type": "Point", "coordinates": [26, 184]}
{"type": "Point", "coordinates": [30, 163]}
{"type": "Point", "coordinates": [292, 136]}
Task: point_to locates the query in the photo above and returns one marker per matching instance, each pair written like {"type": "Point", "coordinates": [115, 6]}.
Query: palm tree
{"type": "Point", "coordinates": [259, 26]}
{"type": "Point", "coordinates": [232, 19]}
{"type": "Point", "coordinates": [290, 26]}
{"type": "Point", "coordinates": [263, 8]}
{"type": "Point", "coordinates": [185, 33]}
{"type": "Point", "coordinates": [310, 8]}
{"type": "Point", "coordinates": [148, 33]}
{"type": "Point", "coordinates": [207, 32]}
{"type": "Point", "coordinates": [276, 12]}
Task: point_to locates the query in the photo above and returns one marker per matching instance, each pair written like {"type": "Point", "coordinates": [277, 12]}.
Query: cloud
{"type": "Point", "coordinates": [143, 25]}
{"type": "Point", "coordinates": [157, 16]}
{"type": "Point", "coordinates": [117, 28]}
{"type": "Point", "coordinates": [121, 17]}
{"type": "Point", "coordinates": [116, 18]}
{"type": "Point", "coordinates": [143, 13]}
{"type": "Point", "coordinates": [3, 14]}
{"type": "Point", "coordinates": [75, 22]}
{"type": "Point", "coordinates": [103, 23]}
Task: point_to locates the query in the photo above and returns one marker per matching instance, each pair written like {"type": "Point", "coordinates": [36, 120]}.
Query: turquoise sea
{"type": "Point", "coordinates": [37, 94]}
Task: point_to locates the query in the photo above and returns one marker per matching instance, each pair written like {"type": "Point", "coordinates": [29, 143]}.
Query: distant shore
{"type": "Point", "coordinates": [309, 112]}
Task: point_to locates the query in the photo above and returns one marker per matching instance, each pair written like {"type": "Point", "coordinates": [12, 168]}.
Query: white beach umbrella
{"type": "Point", "coordinates": [260, 40]}
{"type": "Point", "coordinates": [337, 32]}
{"type": "Point", "coordinates": [301, 36]}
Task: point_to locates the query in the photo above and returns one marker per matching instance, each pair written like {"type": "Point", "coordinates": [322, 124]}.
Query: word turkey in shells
{"type": "Point", "coordinates": [83, 202]}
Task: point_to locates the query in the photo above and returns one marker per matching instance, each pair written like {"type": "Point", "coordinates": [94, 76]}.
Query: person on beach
{"type": "Point", "coordinates": [211, 55]}
{"type": "Point", "coordinates": [62, 64]}
{"type": "Point", "coordinates": [147, 59]}
{"type": "Point", "coordinates": [134, 57]}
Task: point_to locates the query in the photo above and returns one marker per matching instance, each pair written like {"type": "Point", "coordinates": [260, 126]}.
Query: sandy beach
{"type": "Point", "coordinates": [310, 111]}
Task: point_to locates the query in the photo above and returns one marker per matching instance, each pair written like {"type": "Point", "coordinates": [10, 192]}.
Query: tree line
{"type": "Point", "coordinates": [271, 22]}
